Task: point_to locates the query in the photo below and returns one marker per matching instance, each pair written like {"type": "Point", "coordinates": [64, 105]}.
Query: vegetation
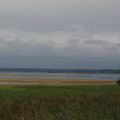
{"type": "Point", "coordinates": [118, 82]}
{"type": "Point", "coordinates": [60, 103]}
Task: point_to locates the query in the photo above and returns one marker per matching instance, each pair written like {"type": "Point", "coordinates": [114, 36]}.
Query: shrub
{"type": "Point", "coordinates": [118, 81]}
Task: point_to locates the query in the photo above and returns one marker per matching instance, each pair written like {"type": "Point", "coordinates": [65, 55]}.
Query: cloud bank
{"type": "Point", "coordinates": [78, 34]}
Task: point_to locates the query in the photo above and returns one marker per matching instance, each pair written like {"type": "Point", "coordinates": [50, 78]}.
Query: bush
{"type": "Point", "coordinates": [118, 82]}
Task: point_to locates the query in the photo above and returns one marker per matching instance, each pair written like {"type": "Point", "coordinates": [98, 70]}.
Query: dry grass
{"type": "Point", "coordinates": [60, 102]}
{"type": "Point", "coordinates": [66, 107]}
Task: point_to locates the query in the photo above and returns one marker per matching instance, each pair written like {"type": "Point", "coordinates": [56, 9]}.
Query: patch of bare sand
{"type": "Point", "coordinates": [40, 81]}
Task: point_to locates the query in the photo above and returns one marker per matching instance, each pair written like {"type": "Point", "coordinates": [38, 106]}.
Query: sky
{"type": "Point", "coordinates": [60, 34]}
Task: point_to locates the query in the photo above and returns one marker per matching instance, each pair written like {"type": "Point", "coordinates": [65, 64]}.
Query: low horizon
{"type": "Point", "coordinates": [59, 68]}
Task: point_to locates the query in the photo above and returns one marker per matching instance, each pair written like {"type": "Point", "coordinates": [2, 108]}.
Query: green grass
{"type": "Point", "coordinates": [60, 103]}
{"type": "Point", "coordinates": [10, 91]}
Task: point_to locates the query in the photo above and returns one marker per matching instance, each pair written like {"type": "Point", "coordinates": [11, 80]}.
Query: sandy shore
{"type": "Point", "coordinates": [40, 81]}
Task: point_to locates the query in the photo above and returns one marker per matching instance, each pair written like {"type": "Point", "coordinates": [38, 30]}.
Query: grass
{"type": "Point", "coordinates": [10, 91]}
{"type": "Point", "coordinates": [60, 102]}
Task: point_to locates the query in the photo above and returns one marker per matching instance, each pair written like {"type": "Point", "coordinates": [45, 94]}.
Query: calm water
{"type": "Point", "coordinates": [59, 73]}
{"type": "Point", "coordinates": [61, 76]}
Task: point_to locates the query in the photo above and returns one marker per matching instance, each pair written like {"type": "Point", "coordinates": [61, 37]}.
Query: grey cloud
{"type": "Point", "coordinates": [117, 45]}
{"type": "Point", "coordinates": [103, 43]}
{"type": "Point", "coordinates": [17, 46]}
{"type": "Point", "coordinates": [59, 33]}
{"type": "Point", "coordinates": [18, 53]}
{"type": "Point", "coordinates": [97, 42]}
{"type": "Point", "coordinates": [47, 16]}
{"type": "Point", "coordinates": [93, 44]}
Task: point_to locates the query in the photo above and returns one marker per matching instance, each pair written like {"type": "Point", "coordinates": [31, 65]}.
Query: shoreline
{"type": "Point", "coordinates": [26, 80]}
{"type": "Point", "coordinates": [54, 82]}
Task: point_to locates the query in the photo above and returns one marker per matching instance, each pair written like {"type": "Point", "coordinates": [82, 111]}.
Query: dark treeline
{"type": "Point", "coordinates": [55, 70]}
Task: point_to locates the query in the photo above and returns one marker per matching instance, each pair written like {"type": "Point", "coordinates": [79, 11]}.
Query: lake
{"type": "Point", "coordinates": [45, 75]}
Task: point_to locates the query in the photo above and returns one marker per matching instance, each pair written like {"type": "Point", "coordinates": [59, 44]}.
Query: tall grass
{"type": "Point", "coordinates": [66, 107]}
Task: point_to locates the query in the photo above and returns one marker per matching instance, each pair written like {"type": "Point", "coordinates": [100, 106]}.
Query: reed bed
{"type": "Point", "coordinates": [99, 106]}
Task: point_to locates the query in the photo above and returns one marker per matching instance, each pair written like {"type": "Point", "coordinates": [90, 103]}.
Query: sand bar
{"type": "Point", "coordinates": [40, 81]}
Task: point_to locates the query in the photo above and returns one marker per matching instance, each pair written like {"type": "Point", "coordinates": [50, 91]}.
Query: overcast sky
{"type": "Point", "coordinates": [60, 33]}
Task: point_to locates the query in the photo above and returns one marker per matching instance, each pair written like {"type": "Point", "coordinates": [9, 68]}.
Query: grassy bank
{"type": "Point", "coordinates": [60, 103]}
